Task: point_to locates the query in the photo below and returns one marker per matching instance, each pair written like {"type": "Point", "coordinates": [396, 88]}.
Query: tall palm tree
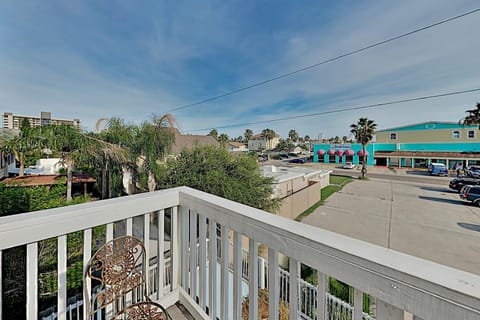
{"type": "Point", "coordinates": [223, 139]}
{"type": "Point", "coordinates": [77, 147]}
{"type": "Point", "coordinates": [268, 134]}
{"type": "Point", "coordinates": [248, 135]}
{"type": "Point", "coordinates": [213, 133]}
{"type": "Point", "coordinates": [293, 135]}
{"type": "Point", "coordinates": [23, 145]}
{"type": "Point", "coordinates": [363, 132]}
{"type": "Point", "coordinates": [473, 117]}
{"type": "Point", "coordinates": [153, 141]}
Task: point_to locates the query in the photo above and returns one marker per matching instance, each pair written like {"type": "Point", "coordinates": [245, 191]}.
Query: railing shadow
{"type": "Point", "coordinates": [443, 200]}
{"type": "Point", "coordinates": [418, 173]}
{"type": "Point", "coordinates": [469, 226]}
{"type": "Point", "coordinates": [438, 189]}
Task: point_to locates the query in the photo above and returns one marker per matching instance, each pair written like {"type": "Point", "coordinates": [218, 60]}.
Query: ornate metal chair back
{"type": "Point", "coordinates": [117, 269]}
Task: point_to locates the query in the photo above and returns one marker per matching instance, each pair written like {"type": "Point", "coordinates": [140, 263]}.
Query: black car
{"type": "Point", "coordinates": [458, 183]}
{"type": "Point", "coordinates": [471, 194]}
{"type": "Point", "coordinates": [297, 160]}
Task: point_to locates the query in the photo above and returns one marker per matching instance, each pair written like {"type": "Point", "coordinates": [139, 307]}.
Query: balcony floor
{"type": "Point", "coordinates": [178, 311]}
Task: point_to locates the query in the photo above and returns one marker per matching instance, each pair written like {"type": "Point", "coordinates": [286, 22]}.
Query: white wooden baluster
{"type": "Point", "coordinates": [273, 284]}
{"type": "Point", "coordinates": [193, 255]}
{"type": "Point", "coordinates": [253, 279]}
{"type": "Point", "coordinates": [175, 240]}
{"type": "Point", "coordinates": [225, 296]}
{"type": "Point", "coordinates": [108, 237]}
{"type": "Point", "coordinates": [146, 244]}
{"type": "Point", "coordinates": [261, 274]}
{"type": "Point", "coordinates": [293, 290]}
{"type": "Point", "coordinates": [129, 227]}
{"type": "Point", "coordinates": [109, 232]}
{"type": "Point", "coordinates": [321, 294]}
{"type": "Point", "coordinates": [32, 280]}
{"type": "Point", "coordinates": [185, 246]}
{"type": "Point", "coordinates": [87, 253]}
{"type": "Point", "coordinates": [62, 277]}
{"type": "Point", "coordinates": [160, 253]}
{"type": "Point", "coordinates": [357, 304]}
{"type": "Point", "coordinates": [237, 276]}
{"type": "Point", "coordinates": [212, 269]}
{"type": "Point", "coordinates": [128, 232]}
{"type": "Point", "coordinates": [202, 262]}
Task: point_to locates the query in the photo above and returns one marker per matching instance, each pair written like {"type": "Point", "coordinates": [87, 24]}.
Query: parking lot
{"type": "Point", "coordinates": [422, 219]}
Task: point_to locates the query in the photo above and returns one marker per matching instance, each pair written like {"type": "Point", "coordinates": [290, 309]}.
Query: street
{"type": "Point", "coordinates": [427, 220]}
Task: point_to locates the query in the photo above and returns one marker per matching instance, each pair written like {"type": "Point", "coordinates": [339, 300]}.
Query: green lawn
{"type": "Point", "coordinates": [336, 184]}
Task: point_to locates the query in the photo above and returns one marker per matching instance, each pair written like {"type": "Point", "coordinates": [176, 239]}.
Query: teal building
{"type": "Point", "coordinates": [411, 146]}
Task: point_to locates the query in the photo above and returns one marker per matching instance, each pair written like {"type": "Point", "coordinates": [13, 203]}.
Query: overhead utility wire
{"type": "Point", "coordinates": [368, 106]}
{"type": "Point", "coordinates": [285, 75]}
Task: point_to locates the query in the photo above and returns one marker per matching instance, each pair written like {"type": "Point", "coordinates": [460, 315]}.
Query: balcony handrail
{"type": "Point", "coordinates": [24, 228]}
{"type": "Point", "coordinates": [410, 283]}
{"type": "Point", "coordinates": [415, 284]}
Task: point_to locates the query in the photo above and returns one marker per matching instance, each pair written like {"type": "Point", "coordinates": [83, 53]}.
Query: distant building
{"type": "Point", "coordinates": [411, 146]}
{"type": "Point", "coordinates": [258, 142]}
{"type": "Point", "coordinates": [190, 141]}
{"type": "Point", "coordinates": [13, 121]}
{"type": "Point", "coordinates": [234, 146]}
{"type": "Point", "coordinates": [298, 187]}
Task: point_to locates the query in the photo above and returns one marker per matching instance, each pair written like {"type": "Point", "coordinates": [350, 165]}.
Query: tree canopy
{"type": "Point", "coordinates": [473, 116]}
{"type": "Point", "coordinates": [215, 170]}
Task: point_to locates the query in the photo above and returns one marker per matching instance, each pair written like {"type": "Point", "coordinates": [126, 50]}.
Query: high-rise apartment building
{"type": "Point", "coordinates": [13, 121]}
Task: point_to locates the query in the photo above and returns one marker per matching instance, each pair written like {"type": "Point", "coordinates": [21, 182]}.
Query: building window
{"type": "Point", "coordinates": [456, 134]}
{"type": "Point", "coordinates": [393, 136]}
{"type": "Point", "coordinates": [471, 134]}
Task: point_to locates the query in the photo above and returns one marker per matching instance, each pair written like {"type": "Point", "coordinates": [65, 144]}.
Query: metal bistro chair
{"type": "Point", "coordinates": [118, 268]}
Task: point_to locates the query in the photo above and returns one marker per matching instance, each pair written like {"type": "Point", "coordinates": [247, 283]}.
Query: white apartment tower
{"type": "Point", "coordinates": [13, 121]}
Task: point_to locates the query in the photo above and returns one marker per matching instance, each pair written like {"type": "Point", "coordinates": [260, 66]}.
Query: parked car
{"type": "Point", "coordinates": [472, 194]}
{"type": "Point", "coordinates": [473, 171]}
{"type": "Point", "coordinates": [297, 161]}
{"type": "Point", "coordinates": [438, 169]}
{"type": "Point", "coordinates": [348, 165]}
{"type": "Point", "coordinates": [458, 183]}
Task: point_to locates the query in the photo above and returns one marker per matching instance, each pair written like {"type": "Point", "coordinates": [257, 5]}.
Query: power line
{"type": "Point", "coordinates": [288, 74]}
{"type": "Point", "coordinates": [368, 106]}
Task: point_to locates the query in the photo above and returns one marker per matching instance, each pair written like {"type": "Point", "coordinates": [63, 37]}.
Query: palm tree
{"type": "Point", "coordinates": [122, 134]}
{"type": "Point", "coordinates": [473, 117]}
{"type": "Point", "coordinates": [77, 148]}
{"type": "Point", "coordinates": [213, 133]}
{"type": "Point", "coordinates": [344, 139]}
{"type": "Point", "coordinates": [152, 143]}
{"type": "Point", "coordinates": [147, 144]}
{"type": "Point", "coordinates": [306, 138]}
{"type": "Point", "coordinates": [248, 135]}
{"type": "Point", "coordinates": [363, 132]}
{"type": "Point", "coordinates": [22, 146]}
{"type": "Point", "coordinates": [268, 134]}
{"type": "Point", "coordinates": [223, 139]}
{"type": "Point", "coordinates": [293, 135]}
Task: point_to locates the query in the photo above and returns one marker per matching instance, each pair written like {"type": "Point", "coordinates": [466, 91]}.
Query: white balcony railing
{"type": "Point", "coordinates": [401, 285]}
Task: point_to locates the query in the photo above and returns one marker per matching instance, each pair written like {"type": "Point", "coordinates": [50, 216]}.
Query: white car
{"type": "Point", "coordinates": [348, 165]}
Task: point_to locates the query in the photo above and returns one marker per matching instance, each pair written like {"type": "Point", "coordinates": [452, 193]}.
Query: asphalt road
{"type": "Point", "coordinates": [426, 220]}
{"type": "Point", "coordinates": [411, 176]}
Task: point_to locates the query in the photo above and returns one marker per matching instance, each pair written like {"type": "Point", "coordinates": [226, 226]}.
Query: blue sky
{"type": "Point", "coordinates": [130, 59]}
